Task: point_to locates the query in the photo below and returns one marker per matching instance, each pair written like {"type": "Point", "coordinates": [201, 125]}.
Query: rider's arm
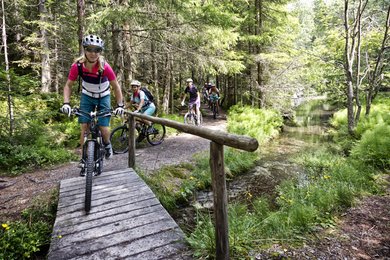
{"type": "Point", "coordinates": [68, 90]}
{"type": "Point", "coordinates": [184, 98]}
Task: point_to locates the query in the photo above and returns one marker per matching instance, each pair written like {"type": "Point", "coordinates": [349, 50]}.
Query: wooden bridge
{"type": "Point", "coordinates": [126, 221]}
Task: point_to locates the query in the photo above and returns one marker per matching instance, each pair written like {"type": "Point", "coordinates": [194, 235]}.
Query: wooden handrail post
{"type": "Point", "coordinates": [131, 134]}
{"type": "Point", "coordinates": [220, 200]}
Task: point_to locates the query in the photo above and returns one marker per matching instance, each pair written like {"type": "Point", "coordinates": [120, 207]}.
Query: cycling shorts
{"type": "Point", "coordinates": [196, 102]}
{"type": "Point", "coordinates": [214, 97]}
{"type": "Point", "coordinates": [149, 109]}
{"type": "Point", "coordinates": [88, 104]}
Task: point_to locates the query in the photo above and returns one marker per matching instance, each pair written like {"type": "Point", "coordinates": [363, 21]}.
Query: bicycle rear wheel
{"type": "Point", "coordinates": [215, 110]}
{"type": "Point", "coordinates": [120, 140]}
{"type": "Point", "coordinates": [89, 175]}
{"type": "Point", "coordinates": [157, 135]}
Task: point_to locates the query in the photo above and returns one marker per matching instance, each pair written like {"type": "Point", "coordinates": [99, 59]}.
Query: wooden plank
{"type": "Point", "coordinates": [126, 220]}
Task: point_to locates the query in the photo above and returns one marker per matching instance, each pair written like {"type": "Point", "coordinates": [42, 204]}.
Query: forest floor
{"type": "Point", "coordinates": [362, 232]}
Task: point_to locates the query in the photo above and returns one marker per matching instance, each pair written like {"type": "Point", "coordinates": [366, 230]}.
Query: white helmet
{"type": "Point", "coordinates": [135, 83]}
{"type": "Point", "coordinates": [189, 80]}
{"type": "Point", "coordinates": [93, 40]}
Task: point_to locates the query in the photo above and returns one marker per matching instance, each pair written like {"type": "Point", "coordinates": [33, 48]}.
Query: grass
{"type": "Point", "coordinates": [332, 183]}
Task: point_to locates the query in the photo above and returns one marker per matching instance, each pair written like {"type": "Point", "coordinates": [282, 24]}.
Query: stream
{"type": "Point", "coordinates": [274, 164]}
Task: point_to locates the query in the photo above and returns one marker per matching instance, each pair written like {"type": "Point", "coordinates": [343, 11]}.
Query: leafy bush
{"type": "Point", "coordinates": [23, 239]}
{"type": "Point", "coordinates": [379, 115]}
{"type": "Point", "coordinates": [258, 123]}
{"type": "Point", "coordinates": [374, 147]}
{"type": "Point", "coordinates": [38, 138]}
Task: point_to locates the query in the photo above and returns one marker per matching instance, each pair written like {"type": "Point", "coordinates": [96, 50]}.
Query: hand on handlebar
{"type": "Point", "coordinates": [182, 103]}
{"type": "Point", "coordinates": [119, 110]}
{"type": "Point", "coordinates": [66, 109]}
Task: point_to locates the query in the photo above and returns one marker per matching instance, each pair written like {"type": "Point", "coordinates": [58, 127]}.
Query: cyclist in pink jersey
{"type": "Point", "coordinates": [97, 80]}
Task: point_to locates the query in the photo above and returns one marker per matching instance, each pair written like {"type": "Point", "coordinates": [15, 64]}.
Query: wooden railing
{"type": "Point", "coordinates": [218, 140]}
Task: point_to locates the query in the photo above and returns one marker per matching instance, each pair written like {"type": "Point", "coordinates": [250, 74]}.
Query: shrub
{"type": "Point", "coordinates": [374, 147]}
{"type": "Point", "coordinates": [258, 123]}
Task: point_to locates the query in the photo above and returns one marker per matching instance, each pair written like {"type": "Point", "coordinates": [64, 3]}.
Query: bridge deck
{"type": "Point", "coordinates": [126, 221]}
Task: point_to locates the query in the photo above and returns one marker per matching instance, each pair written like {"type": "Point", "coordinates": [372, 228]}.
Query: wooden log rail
{"type": "Point", "coordinates": [218, 140]}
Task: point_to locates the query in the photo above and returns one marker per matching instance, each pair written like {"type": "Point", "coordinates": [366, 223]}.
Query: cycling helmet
{"type": "Point", "coordinates": [189, 80]}
{"type": "Point", "coordinates": [135, 83]}
{"type": "Point", "coordinates": [93, 40]}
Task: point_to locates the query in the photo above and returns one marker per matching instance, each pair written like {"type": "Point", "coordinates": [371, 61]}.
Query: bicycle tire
{"type": "Point", "coordinates": [99, 169]}
{"type": "Point", "coordinates": [214, 110]}
{"type": "Point", "coordinates": [120, 140]}
{"type": "Point", "coordinates": [89, 175]}
{"type": "Point", "coordinates": [189, 119]}
{"type": "Point", "coordinates": [157, 137]}
{"type": "Point", "coordinates": [200, 121]}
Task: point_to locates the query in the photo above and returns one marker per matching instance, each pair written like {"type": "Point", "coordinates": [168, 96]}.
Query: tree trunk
{"type": "Point", "coordinates": [45, 58]}
{"type": "Point", "coordinates": [81, 23]}
{"type": "Point", "coordinates": [155, 73]}
{"type": "Point", "coordinates": [258, 29]}
{"type": "Point", "coordinates": [9, 99]}
{"type": "Point", "coordinates": [127, 51]}
{"type": "Point", "coordinates": [56, 59]}
{"type": "Point", "coordinates": [375, 76]}
{"type": "Point", "coordinates": [165, 101]}
{"type": "Point", "coordinates": [117, 53]}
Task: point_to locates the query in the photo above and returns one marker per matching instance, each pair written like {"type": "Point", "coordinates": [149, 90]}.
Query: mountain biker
{"type": "Point", "coordinates": [194, 98]}
{"type": "Point", "coordinates": [214, 95]}
{"type": "Point", "coordinates": [205, 92]}
{"type": "Point", "coordinates": [141, 103]}
{"type": "Point", "coordinates": [97, 77]}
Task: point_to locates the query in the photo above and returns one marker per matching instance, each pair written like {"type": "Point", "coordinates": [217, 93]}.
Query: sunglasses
{"type": "Point", "coordinates": [94, 49]}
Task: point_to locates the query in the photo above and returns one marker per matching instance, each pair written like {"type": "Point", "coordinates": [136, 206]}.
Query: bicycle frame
{"type": "Point", "coordinates": [93, 151]}
{"type": "Point", "coordinates": [93, 134]}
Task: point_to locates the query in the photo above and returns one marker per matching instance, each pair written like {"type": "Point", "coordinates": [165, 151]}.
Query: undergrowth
{"type": "Point", "coordinates": [29, 237]}
{"type": "Point", "coordinates": [331, 184]}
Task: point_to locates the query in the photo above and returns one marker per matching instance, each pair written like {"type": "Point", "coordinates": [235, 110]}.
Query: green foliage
{"type": "Point", "coordinates": [38, 139]}
{"type": "Point", "coordinates": [373, 128]}
{"type": "Point", "coordinates": [330, 185]}
{"type": "Point", "coordinates": [20, 240]}
{"type": "Point", "coordinates": [374, 147]}
{"type": "Point", "coordinates": [258, 123]}
{"type": "Point", "coordinates": [23, 239]}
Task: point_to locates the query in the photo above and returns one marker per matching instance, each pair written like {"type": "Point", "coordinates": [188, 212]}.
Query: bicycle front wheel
{"type": "Point", "coordinates": [156, 135]}
{"type": "Point", "coordinates": [189, 119]}
{"type": "Point", "coordinates": [90, 170]}
{"type": "Point", "coordinates": [120, 140]}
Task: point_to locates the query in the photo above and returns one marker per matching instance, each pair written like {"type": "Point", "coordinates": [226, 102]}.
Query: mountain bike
{"type": "Point", "coordinates": [191, 117]}
{"type": "Point", "coordinates": [214, 106]}
{"type": "Point", "coordinates": [154, 134]}
{"type": "Point", "coordinates": [93, 151]}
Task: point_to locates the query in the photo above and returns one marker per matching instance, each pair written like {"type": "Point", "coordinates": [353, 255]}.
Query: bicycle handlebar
{"type": "Point", "coordinates": [90, 115]}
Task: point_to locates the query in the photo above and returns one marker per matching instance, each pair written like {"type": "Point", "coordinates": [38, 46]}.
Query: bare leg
{"type": "Point", "coordinates": [84, 129]}
{"type": "Point", "coordinates": [198, 114]}
{"type": "Point", "coordinates": [105, 134]}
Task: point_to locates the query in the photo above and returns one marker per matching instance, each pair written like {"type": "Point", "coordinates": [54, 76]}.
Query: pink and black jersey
{"type": "Point", "coordinates": [93, 85]}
